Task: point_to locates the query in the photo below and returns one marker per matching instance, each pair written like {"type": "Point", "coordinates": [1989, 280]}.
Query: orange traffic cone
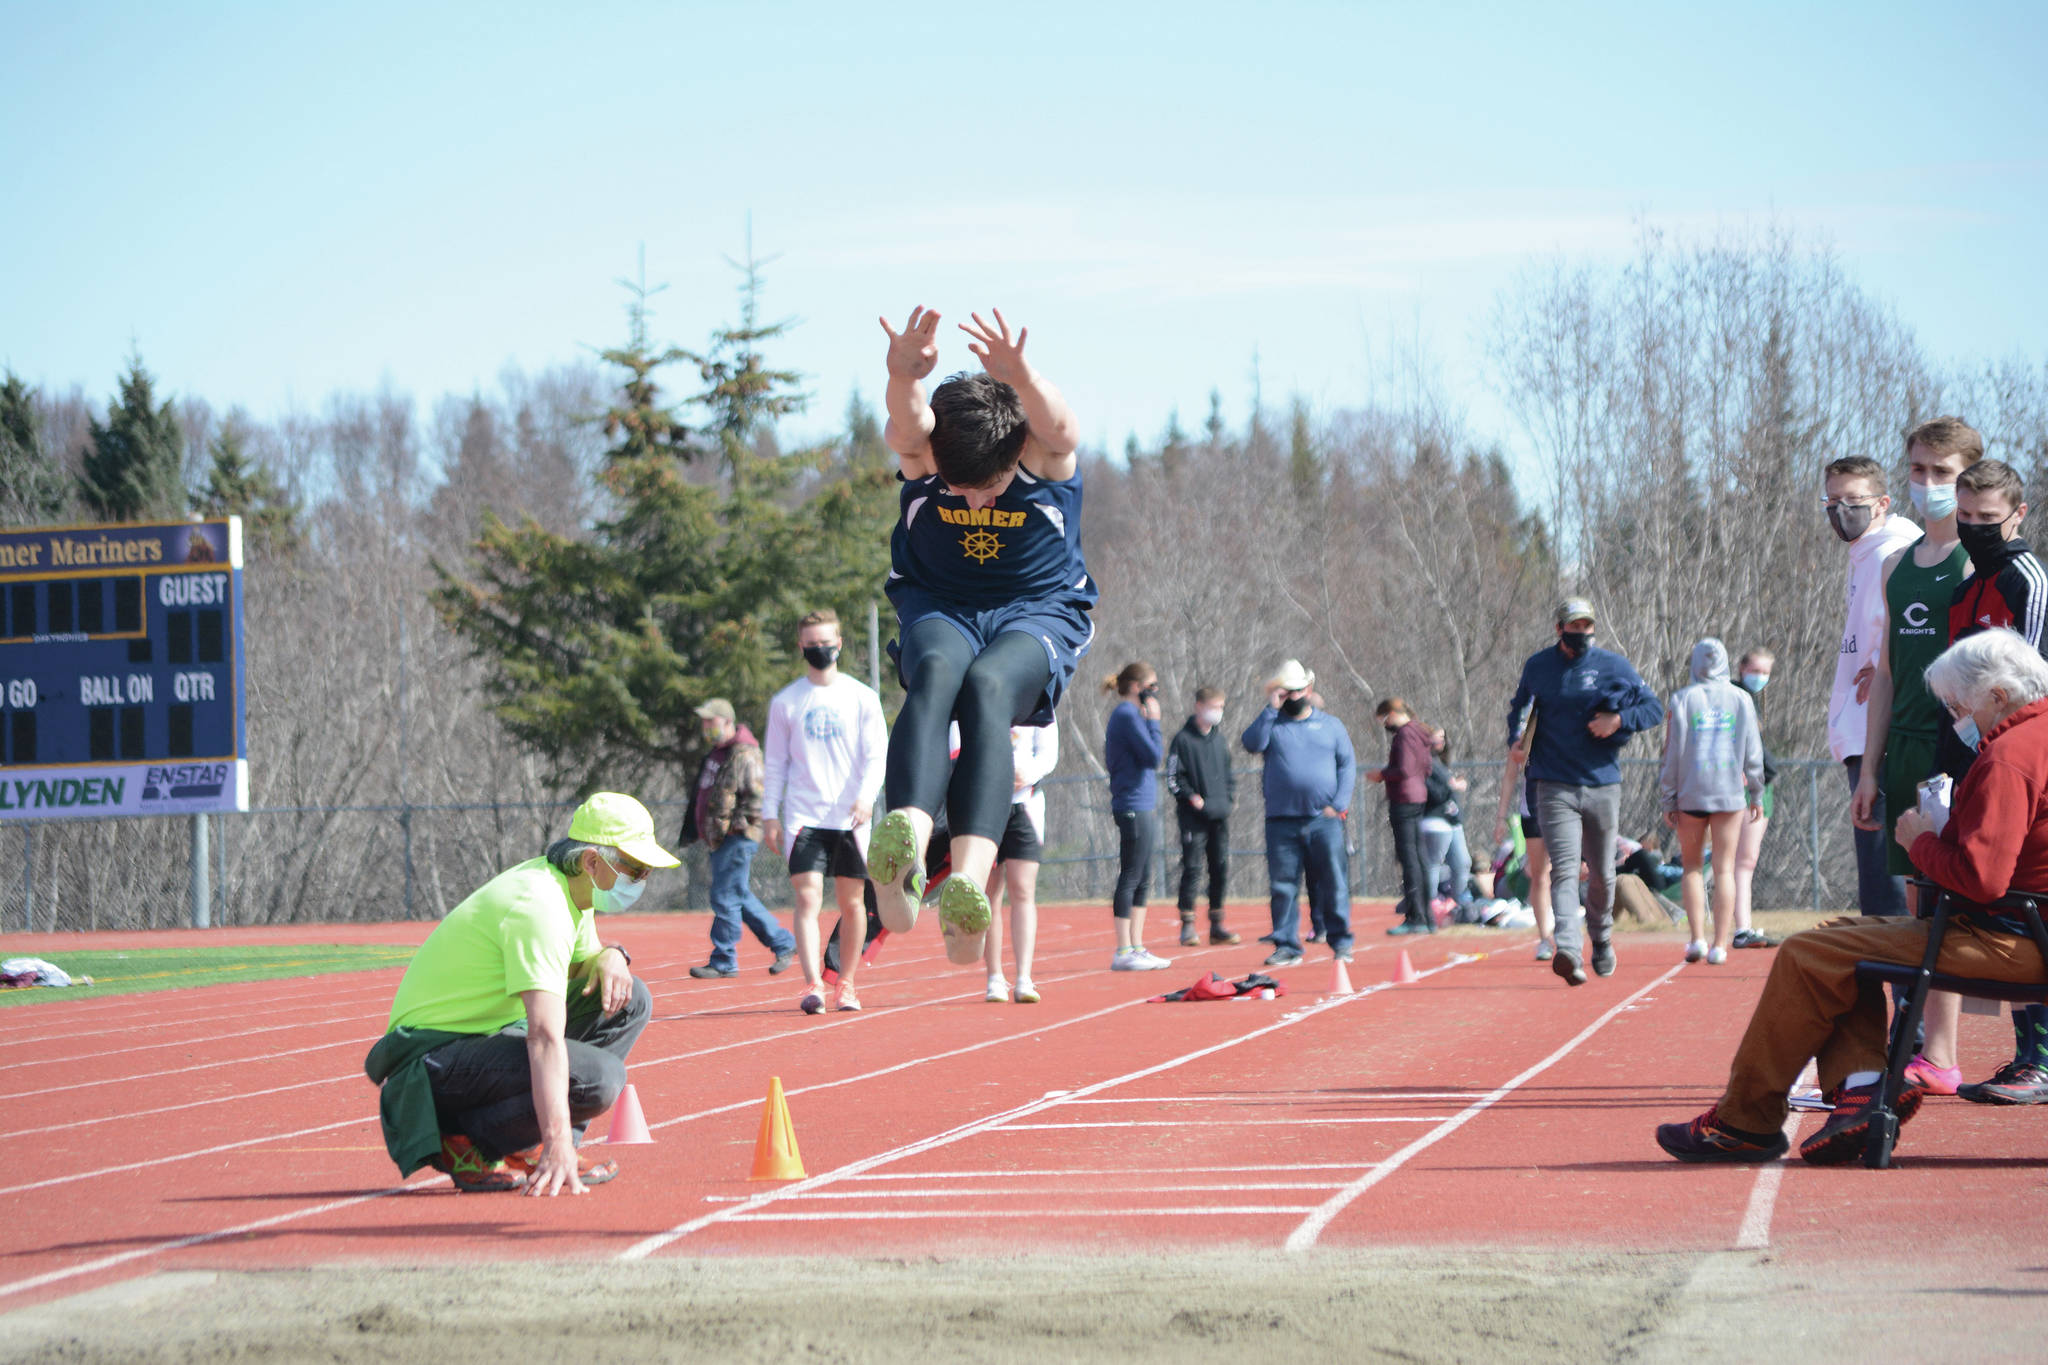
{"type": "Point", "coordinates": [1404, 971]}
{"type": "Point", "coordinates": [629, 1125]}
{"type": "Point", "coordinates": [775, 1154]}
{"type": "Point", "coordinates": [1340, 980]}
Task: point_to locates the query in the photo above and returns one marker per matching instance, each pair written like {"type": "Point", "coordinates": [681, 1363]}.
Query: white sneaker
{"type": "Point", "coordinates": [1126, 960]}
{"type": "Point", "coordinates": [1027, 992]}
{"type": "Point", "coordinates": [998, 990]}
{"type": "Point", "coordinates": [1148, 961]}
{"type": "Point", "coordinates": [1716, 956]}
{"type": "Point", "coordinates": [1695, 950]}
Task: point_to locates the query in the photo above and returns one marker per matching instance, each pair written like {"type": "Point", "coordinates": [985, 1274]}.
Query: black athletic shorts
{"type": "Point", "coordinates": [1020, 841]}
{"type": "Point", "coordinates": [832, 851]}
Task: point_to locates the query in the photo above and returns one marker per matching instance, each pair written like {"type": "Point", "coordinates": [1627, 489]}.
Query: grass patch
{"type": "Point", "coordinates": [163, 969]}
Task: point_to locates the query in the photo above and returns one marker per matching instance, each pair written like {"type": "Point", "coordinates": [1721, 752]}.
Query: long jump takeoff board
{"type": "Point", "coordinates": [121, 670]}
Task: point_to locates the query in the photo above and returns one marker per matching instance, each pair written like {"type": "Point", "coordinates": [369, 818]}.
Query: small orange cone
{"type": "Point", "coordinates": [1340, 980]}
{"type": "Point", "coordinates": [775, 1153]}
{"type": "Point", "coordinates": [1404, 971]}
{"type": "Point", "coordinates": [629, 1125]}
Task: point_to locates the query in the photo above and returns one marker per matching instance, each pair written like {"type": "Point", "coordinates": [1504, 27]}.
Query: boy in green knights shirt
{"type": "Point", "coordinates": [496, 1058]}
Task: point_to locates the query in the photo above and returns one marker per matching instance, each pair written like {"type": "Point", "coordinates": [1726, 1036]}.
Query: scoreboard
{"type": "Point", "coordinates": [121, 670]}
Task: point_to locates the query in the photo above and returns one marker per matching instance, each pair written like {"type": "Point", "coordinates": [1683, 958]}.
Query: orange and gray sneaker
{"type": "Point", "coordinates": [466, 1167]}
{"type": "Point", "coordinates": [1709, 1138]}
{"type": "Point", "coordinates": [588, 1169]}
{"type": "Point", "coordinates": [1841, 1139]}
{"type": "Point", "coordinates": [843, 997]}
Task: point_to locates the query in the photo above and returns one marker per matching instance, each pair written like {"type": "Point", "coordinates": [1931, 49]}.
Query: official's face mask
{"type": "Point", "coordinates": [1576, 642]}
{"type": "Point", "coordinates": [1933, 500]}
{"type": "Point", "coordinates": [1755, 682]}
{"type": "Point", "coordinates": [821, 656]}
{"type": "Point", "coordinates": [1966, 731]}
{"type": "Point", "coordinates": [1851, 522]}
{"type": "Point", "coordinates": [1981, 541]}
{"type": "Point", "coordinates": [1210, 715]}
{"type": "Point", "coordinates": [1294, 706]}
{"type": "Point", "coordinates": [621, 896]}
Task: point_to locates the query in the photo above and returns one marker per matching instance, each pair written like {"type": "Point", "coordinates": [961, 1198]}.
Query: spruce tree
{"type": "Point", "coordinates": [32, 488]}
{"type": "Point", "coordinates": [135, 468]}
{"type": "Point", "coordinates": [237, 486]}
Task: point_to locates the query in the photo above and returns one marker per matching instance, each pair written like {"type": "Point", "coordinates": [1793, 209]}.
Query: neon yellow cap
{"type": "Point", "coordinates": [623, 823]}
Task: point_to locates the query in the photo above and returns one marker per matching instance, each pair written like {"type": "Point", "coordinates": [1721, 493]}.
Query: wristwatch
{"type": "Point", "coordinates": [620, 949]}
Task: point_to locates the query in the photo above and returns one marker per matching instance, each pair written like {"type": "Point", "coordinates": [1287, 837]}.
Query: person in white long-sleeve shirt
{"type": "Point", "coordinates": [1859, 509]}
{"type": "Point", "coordinates": [826, 750]}
{"type": "Point", "coordinates": [1034, 752]}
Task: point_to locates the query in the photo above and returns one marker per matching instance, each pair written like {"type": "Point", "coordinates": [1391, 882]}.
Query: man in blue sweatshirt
{"type": "Point", "coordinates": [1587, 702]}
{"type": "Point", "coordinates": [1310, 772]}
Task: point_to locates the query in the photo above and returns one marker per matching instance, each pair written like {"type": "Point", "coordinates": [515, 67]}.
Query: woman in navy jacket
{"type": "Point", "coordinates": [1132, 749]}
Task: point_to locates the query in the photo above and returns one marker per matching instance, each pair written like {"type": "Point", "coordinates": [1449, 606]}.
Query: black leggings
{"type": "Point", "coordinates": [945, 680]}
{"type": "Point", "coordinates": [1137, 834]}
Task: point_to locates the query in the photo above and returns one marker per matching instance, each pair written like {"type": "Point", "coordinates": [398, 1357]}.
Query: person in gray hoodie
{"type": "Point", "coordinates": [1713, 770]}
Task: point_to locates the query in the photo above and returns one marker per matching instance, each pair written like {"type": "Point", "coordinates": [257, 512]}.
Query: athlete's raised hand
{"type": "Point", "coordinates": [1001, 354]}
{"type": "Point", "coordinates": [914, 351]}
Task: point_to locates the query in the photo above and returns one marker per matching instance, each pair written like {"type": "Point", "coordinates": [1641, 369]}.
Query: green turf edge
{"type": "Point", "coordinates": [140, 970]}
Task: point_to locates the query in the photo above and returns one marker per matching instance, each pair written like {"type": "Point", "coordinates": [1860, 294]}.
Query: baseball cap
{"type": "Point", "coordinates": [619, 821]}
{"type": "Point", "coordinates": [1575, 609]}
{"type": "Point", "coordinates": [1292, 677]}
{"type": "Point", "coordinates": [717, 708]}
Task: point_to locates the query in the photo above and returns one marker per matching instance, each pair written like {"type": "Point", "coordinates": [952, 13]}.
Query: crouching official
{"type": "Point", "coordinates": [511, 1027]}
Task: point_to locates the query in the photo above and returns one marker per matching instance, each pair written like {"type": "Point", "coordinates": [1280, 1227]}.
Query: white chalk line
{"type": "Point", "coordinates": [1224, 1123]}
{"type": "Point", "coordinates": [866, 1215]}
{"type": "Point", "coordinates": [1119, 1171]}
{"type": "Point", "coordinates": [1311, 1228]}
{"type": "Point", "coordinates": [1755, 1232]}
{"type": "Point", "coordinates": [649, 1245]}
{"type": "Point", "coordinates": [1267, 1097]}
{"type": "Point", "coordinates": [1068, 1192]}
{"type": "Point", "coordinates": [185, 1156]}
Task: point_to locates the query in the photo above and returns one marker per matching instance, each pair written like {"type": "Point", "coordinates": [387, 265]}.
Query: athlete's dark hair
{"type": "Point", "coordinates": [1994, 476]}
{"type": "Point", "coordinates": [1857, 467]}
{"type": "Point", "coordinates": [1203, 694]}
{"type": "Point", "coordinates": [978, 430]}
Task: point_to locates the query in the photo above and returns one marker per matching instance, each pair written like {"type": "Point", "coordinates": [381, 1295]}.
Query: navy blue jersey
{"type": "Point", "coordinates": [1024, 548]}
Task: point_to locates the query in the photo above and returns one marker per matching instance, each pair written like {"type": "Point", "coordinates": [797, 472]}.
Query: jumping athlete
{"type": "Point", "coordinates": [992, 605]}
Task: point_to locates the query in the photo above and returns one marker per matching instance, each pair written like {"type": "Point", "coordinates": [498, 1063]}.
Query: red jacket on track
{"type": "Point", "coordinates": [1996, 839]}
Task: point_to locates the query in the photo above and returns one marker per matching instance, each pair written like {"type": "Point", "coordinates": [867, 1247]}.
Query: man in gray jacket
{"type": "Point", "coordinates": [1713, 769]}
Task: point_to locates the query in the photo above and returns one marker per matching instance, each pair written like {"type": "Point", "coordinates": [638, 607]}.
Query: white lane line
{"type": "Point", "coordinates": [197, 1238]}
{"type": "Point", "coordinates": [236, 1098]}
{"type": "Point", "coordinates": [1119, 1170]}
{"type": "Point", "coordinates": [1755, 1232]}
{"type": "Point", "coordinates": [1269, 1096]}
{"type": "Point", "coordinates": [1304, 1236]}
{"type": "Point", "coordinates": [649, 1245]}
{"type": "Point", "coordinates": [1223, 1123]}
{"type": "Point", "coordinates": [185, 1156]}
{"type": "Point", "coordinates": [955, 1192]}
{"type": "Point", "coordinates": [865, 1215]}
{"type": "Point", "coordinates": [363, 1043]}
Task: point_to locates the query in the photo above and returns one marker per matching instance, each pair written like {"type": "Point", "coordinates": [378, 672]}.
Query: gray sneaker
{"type": "Point", "coordinates": [1603, 959]}
{"type": "Point", "coordinates": [1546, 949]}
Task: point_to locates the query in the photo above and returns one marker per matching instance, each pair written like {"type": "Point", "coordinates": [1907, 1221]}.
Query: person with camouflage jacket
{"type": "Point", "coordinates": [725, 814]}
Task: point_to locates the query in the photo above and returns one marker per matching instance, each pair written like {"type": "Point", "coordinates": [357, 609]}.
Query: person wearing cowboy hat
{"type": "Point", "coordinates": [510, 1029]}
{"type": "Point", "coordinates": [1310, 769]}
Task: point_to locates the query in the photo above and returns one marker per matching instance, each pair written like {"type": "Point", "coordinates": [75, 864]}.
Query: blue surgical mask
{"type": "Point", "coordinates": [1755, 681]}
{"type": "Point", "coordinates": [1966, 731]}
{"type": "Point", "coordinates": [1933, 501]}
{"type": "Point", "coordinates": [620, 897]}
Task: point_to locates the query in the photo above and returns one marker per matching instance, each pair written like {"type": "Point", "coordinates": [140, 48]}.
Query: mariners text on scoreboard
{"type": "Point", "coordinates": [63, 551]}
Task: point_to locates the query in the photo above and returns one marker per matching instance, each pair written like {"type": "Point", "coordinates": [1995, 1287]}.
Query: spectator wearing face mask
{"type": "Point", "coordinates": [1131, 750]}
{"type": "Point", "coordinates": [1588, 701]}
{"type": "Point", "coordinates": [1309, 771]}
{"type": "Point", "coordinates": [1406, 778]}
{"type": "Point", "coordinates": [1444, 850]}
{"type": "Point", "coordinates": [1753, 674]}
{"type": "Point", "coordinates": [1199, 776]}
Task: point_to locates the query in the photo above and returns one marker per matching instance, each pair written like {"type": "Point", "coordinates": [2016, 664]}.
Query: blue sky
{"type": "Point", "coordinates": [276, 202]}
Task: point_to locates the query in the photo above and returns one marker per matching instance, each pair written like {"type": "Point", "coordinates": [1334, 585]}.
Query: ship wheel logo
{"type": "Point", "coordinates": [981, 546]}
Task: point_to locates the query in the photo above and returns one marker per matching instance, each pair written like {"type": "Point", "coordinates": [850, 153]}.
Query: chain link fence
{"type": "Point", "coordinates": [314, 864]}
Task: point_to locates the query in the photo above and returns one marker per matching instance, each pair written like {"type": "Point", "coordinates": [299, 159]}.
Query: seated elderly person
{"type": "Point", "coordinates": [1996, 841]}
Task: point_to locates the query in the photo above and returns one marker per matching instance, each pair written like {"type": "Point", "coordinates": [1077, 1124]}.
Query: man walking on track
{"type": "Point", "coordinates": [1588, 701]}
{"type": "Point", "coordinates": [512, 1023]}
{"type": "Point", "coordinates": [1310, 771]}
{"type": "Point", "coordinates": [725, 812]}
{"type": "Point", "coordinates": [1203, 786]}
{"type": "Point", "coordinates": [826, 751]}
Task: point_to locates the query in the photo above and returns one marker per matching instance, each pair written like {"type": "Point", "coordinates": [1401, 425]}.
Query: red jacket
{"type": "Point", "coordinates": [1997, 834]}
{"type": "Point", "coordinates": [1407, 770]}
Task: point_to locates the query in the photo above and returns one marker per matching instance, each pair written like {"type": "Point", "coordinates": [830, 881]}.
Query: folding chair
{"type": "Point", "coordinates": [1915, 982]}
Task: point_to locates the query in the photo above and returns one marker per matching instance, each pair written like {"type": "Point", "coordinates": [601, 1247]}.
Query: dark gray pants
{"type": "Point", "coordinates": [1580, 823]}
{"type": "Point", "coordinates": [1878, 892]}
{"type": "Point", "coordinates": [483, 1086]}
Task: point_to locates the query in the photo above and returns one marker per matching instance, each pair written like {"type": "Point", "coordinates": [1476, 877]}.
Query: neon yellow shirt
{"type": "Point", "coordinates": [517, 932]}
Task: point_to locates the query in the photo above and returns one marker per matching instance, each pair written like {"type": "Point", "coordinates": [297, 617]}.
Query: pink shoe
{"type": "Point", "coordinates": [843, 998]}
{"type": "Point", "coordinates": [1935, 1080]}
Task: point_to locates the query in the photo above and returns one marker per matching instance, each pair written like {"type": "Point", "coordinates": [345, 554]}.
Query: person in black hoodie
{"type": "Point", "coordinates": [1198, 774]}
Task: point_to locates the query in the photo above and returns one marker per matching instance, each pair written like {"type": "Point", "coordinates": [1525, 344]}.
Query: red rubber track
{"type": "Point", "coordinates": [1486, 1105]}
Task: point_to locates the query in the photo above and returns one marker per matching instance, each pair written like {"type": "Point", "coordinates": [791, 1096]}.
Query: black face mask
{"type": "Point", "coordinates": [1575, 643]}
{"type": "Point", "coordinates": [1294, 706]}
{"type": "Point", "coordinates": [821, 656]}
{"type": "Point", "coordinates": [1850, 522]}
{"type": "Point", "coordinates": [1981, 542]}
